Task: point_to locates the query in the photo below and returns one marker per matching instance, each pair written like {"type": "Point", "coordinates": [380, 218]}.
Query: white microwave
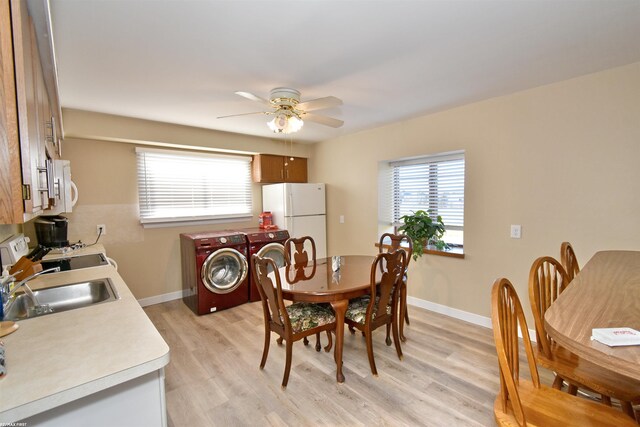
{"type": "Point", "coordinates": [65, 193]}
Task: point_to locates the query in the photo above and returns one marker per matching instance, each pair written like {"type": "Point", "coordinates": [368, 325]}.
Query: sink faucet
{"type": "Point", "coordinates": [8, 291]}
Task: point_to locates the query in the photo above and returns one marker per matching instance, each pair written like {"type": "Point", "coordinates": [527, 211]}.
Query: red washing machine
{"type": "Point", "coordinates": [269, 243]}
{"type": "Point", "coordinates": [215, 270]}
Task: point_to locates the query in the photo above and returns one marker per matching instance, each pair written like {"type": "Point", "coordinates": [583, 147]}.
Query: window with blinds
{"type": "Point", "coordinates": [177, 186]}
{"type": "Point", "coordinates": [434, 184]}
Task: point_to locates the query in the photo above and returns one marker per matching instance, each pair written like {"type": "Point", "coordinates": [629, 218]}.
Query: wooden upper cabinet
{"type": "Point", "coordinates": [295, 169]}
{"type": "Point", "coordinates": [269, 168]}
{"type": "Point", "coordinates": [25, 162]}
{"type": "Point", "coordinates": [11, 206]}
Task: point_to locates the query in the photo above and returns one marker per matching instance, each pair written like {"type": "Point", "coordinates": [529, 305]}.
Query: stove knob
{"type": "Point", "coordinates": [271, 235]}
{"type": "Point", "coordinates": [223, 240]}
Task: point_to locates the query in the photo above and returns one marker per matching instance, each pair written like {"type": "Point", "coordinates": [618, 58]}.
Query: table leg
{"type": "Point", "coordinates": [340, 308]}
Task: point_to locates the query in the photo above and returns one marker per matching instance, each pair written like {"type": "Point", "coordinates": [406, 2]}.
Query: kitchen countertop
{"type": "Point", "coordinates": [55, 359]}
{"type": "Point", "coordinates": [87, 250]}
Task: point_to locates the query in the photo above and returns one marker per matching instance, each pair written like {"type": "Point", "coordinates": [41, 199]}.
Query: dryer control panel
{"type": "Point", "coordinates": [220, 241]}
{"type": "Point", "coordinates": [268, 236]}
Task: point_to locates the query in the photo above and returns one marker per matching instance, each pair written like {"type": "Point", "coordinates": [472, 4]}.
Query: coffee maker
{"type": "Point", "coordinates": [51, 231]}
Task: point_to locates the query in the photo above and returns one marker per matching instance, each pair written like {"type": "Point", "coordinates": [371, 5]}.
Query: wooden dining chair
{"type": "Point", "coordinates": [399, 241]}
{"type": "Point", "coordinates": [296, 255]}
{"type": "Point", "coordinates": [569, 260]}
{"type": "Point", "coordinates": [525, 402]}
{"type": "Point", "coordinates": [379, 308]}
{"type": "Point", "coordinates": [547, 280]}
{"type": "Point", "coordinates": [296, 250]}
{"type": "Point", "coordinates": [293, 322]}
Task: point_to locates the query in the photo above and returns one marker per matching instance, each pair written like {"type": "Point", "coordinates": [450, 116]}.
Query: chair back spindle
{"type": "Point", "coordinates": [547, 280]}
{"type": "Point", "coordinates": [507, 317]}
{"type": "Point", "coordinates": [569, 260]}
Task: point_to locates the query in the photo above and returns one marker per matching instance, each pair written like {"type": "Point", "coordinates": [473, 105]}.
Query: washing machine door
{"type": "Point", "coordinates": [224, 270]}
{"type": "Point", "coordinates": [275, 251]}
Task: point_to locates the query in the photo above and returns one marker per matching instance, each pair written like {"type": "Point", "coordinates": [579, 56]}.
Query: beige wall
{"type": "Point", "coordinates": [105, 173]}
{"type": "Point", "coordinates": [561, 160]}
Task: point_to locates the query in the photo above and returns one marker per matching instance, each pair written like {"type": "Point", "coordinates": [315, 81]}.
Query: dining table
{"type": "Point", "coordinates": [318, 282]}
{"type": "Point", "coordinates": [604, 294]}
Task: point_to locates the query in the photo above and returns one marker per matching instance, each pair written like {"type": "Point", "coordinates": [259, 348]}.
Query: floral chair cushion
{"type": "Point", "coordinates": [357, 309]}
{"type": "Point", "coordinates": [304, 316]}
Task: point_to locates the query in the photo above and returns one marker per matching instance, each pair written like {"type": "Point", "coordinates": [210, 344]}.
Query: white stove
{"type": "Point", "coordinates": [13, 248]}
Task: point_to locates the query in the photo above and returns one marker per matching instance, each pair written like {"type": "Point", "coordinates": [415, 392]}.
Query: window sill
{"type": "Point", "coordinates": [452, 253]}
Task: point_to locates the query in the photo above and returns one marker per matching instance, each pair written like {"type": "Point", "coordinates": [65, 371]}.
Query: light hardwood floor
{"type": "Point", "coordinates": [449, 375]}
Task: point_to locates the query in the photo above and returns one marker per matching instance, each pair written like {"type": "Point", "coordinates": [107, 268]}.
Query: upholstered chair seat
{"type": "Point", "coordinates": [304, 316]}
{"type": "Point", "coordinates": [357, 309]}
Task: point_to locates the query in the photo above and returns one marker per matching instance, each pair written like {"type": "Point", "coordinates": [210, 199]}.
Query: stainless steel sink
{"type": "Point", "coordinates": [62, 298]}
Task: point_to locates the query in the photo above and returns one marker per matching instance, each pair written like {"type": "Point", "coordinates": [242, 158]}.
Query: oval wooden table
{"type": "Point", "coordinates": [605, 294]}
{"type": "Point", "coordinates": [319, 283]}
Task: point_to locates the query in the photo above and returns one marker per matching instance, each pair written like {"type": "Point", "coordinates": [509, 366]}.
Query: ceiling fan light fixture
{"type": "Point", "coordinates": [287, 111]}
{"type": "Point", "coordinates": [285, 123]}
{"type": "Point", "coordinates": [295, 123]}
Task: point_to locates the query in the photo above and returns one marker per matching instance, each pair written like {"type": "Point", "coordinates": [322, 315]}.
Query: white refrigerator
{"type": "Point", "coordinates": [299, 209]}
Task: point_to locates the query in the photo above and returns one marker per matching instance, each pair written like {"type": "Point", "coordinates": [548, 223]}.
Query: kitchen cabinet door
{"type": "Point", "coordinates": [295, 169]}
{"type": "Point", "coordinates": [267, 168]}
{"type": "Point", "coordinates": [11, 207]}
{"type": "Point", "coordinates": [270, 169]}
{"type": "Point", "coordinates": [26, 95]}
{"type": "Point", "coordinates": [25, 105]}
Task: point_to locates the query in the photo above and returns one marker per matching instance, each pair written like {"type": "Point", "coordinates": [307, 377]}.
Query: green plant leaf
{"type": "Point", "coordinates": [423, 230]}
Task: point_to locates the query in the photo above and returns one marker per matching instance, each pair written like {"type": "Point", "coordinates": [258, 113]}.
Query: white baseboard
{"type": "Point", "coordinates": [473, 318]}
{"type": "Point", "coordinates": [451, 312]}
{"type": "Point", "coordinates": [158, 299]}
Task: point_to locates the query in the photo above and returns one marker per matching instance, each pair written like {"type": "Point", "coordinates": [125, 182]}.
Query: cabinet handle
{"type": "Point", "coordinates": [57, 186]}
{"type": "Point", "coordinates": [51, 125]}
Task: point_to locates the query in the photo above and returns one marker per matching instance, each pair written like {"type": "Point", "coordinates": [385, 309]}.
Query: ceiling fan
{"type": "Point", "coordinates": [289, 113]}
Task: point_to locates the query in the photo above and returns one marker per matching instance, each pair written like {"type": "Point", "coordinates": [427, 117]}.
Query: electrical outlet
{"type": "Point", "coordinates": [516, 231]}
{"type": "Point", "coordinates": [101, 229]}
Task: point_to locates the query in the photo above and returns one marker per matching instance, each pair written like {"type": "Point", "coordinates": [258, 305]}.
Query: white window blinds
{"type": "Point", "coordinates": [430, 183]}
{"type": "Point", "coordinates": [183, 186]}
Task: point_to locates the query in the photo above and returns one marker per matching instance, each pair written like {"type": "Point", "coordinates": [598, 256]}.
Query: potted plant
{"type": "Point", "coordinates": [423, 230]}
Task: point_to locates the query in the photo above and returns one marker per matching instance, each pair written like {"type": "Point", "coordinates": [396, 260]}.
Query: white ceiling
{"type": "Point", "coordinates": [181, 61]}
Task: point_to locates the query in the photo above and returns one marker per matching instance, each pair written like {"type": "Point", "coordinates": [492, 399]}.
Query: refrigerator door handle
{"type": "Point", "coordinates": [289, 209]}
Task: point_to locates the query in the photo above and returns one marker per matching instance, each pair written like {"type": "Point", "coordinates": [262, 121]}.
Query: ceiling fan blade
{"type": "Point", "coordinates": [320, 103]}
{"type": "Point", "coordinates": [253, 97]}
{"type": "Point", "coordinates": [243, 114]}
{"type": "Point", "coordinates": [323, 120]}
